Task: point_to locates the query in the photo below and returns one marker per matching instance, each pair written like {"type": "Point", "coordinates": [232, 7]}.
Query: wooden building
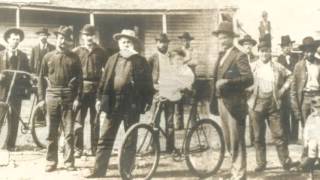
{"type": "Point", "coordinates": [147, 17]}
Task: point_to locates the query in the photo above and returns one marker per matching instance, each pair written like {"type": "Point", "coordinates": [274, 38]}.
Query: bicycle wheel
{"type": "Point", "coordinates": [139, 153]}
{"type": "Point", "coordinates": [39, 128]}
{"type": "Point", "coordinates": [204, 148]}
{"type": "Point", "coordinates": [4, 125]}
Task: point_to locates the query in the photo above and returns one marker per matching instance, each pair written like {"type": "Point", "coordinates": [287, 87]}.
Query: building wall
{"type": "Point", "coordinates": [200, 26]}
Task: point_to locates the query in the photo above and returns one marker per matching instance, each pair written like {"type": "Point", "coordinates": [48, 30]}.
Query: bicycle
{"type": "Point", "coordinates": [202, 142]}
{"type": "Point", "coordinates": [35, 125]}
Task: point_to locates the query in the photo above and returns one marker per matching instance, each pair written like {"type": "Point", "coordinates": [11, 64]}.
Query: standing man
{"type": "Point", "coordinates": [62, 69]}
{"type": "Point", "coordinates": [125, 91]}
{"type": "Point", "coordinates": [93, 59]}
{"type": "Point", "coordinates": [247, 44]}
{"type": "Point", "coordinates": [288, 60]}
{"type": "Point", "coordinates": [265, 28]}
{"type": "Point", "coordinates": [41, 49]}
{"type": "Point", "coordinates": [161, 66]}
{"type": "Point", "coordinates": [13, 59]}
{"type": "Point", "coordinates": [231, 77]}
{"type": "Point", "coordinates": [271, 81]}
{"type": "Point", "coordinates": [306, 81]}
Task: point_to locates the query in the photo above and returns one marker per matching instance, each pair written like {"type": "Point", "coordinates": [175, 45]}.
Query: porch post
{"type": "Point", "coordinates": [18, 17]}
{"type": "Point", "coordinates": [164, 23]}
{"type": "Point", "coordinates": [91, 18]}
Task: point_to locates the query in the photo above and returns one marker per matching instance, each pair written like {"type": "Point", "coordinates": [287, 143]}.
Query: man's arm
{"type": "Point", "coordinates": [32, 61]}
{"type": "Point", "coordinates": [288, 79]}
{"type": "Point", "coordinates": [294, 94]}
{"type": "Point", "coordinates": [79, 77]}
{"type": "Point", "coordinates": [41, 79]}
{"type": "Point", "coordinates": [246, 78]}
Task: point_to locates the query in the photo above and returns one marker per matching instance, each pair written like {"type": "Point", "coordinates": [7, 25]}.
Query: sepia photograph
{"type": "Point", "coordinates": [159, 89]}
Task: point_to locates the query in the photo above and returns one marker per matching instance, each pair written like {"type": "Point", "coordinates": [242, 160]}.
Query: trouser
{"type": "Point", "coordinates": [169, 109]}
{"type": "Point", "coordinates": [179, 114]}
{"type": "Point", "coordinates": [15, 104]}
{"type": "Point", "coordinates": [87, 103]}
{"type": "Point", "coordinates": [251, 133]}
{"type": "Point", "coordinates": [108, 134]}
{"type": "Point", "coordinates": [234, 135]}
{"type": "Point", "coordinates": [60, 114]}
{"type": "Point", "coordinates": [290, 123]}
{"type": "Point", "coordinates": [259, 118]}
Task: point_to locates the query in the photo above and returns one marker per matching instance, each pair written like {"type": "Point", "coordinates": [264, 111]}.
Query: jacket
{"type": "Point", "coordinates": [22, 82]}
{"type": "Point", "coordinates": [237, 70]}
{"type": "Point", "coordinates": [300, 75]}
{"type": "Point", "coordinates": [293, 61]}
{"type": "Point", "coordinates": [142, 86]}
{"type": "Point", "coordinates": [282, 80]}
{"type": "Point", "coordinates": [37, 56]}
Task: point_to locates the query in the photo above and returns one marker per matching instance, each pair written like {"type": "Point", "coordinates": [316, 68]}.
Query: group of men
{"type": "Point", "coordinates": [71, 82]}
{"type": "Point", "coordinates": [274, 91]}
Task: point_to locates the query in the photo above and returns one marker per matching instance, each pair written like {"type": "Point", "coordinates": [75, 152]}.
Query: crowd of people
{"type": "Point", "coordinates": [281, 92]}
{"type": "Point", "coordinates": [74, 81]}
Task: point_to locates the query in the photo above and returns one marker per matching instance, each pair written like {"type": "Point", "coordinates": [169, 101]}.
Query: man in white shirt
{"type": "Point", "coordinates": [271, 80]}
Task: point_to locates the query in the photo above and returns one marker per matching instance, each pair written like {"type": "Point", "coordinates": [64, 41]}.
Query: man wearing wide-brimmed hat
{"type": "Point", "coordinates": [288, 60]}
{"type": "Point", "coordinates": [93, 58]}
{"type": "Point", "coordinates": [125, 91]}
{"type": "Point", "coordinates": [39, 50]}
{"type": "Point", "coordinates": [306, 80]}
{"type": "Point", "coordinates": [232, 76]}
{"type": "Point", "coordinates": [14, 59]}
{"type": "Point", "coordinates": [247, 43]}
{"type": "Point", "coordinates": [271, 81]}
{"type": "Point", "coordinates": [60, 94]}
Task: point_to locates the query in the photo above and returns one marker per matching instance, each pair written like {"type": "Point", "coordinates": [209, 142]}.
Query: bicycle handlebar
{"type": "Point", "coordinates": [17, 71]}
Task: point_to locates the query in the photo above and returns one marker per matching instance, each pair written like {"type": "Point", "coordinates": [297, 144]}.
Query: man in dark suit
{"type": "Point", "coordinates": [13, 58]}
{"type": "Point", "coordinates": [232, 75]}
{"type": "Point", "coordinates": [41, 49]}
{"type": "Point", "coordinates": [288, 60]}
{"type": "Point", "coordinates": [125, 91]}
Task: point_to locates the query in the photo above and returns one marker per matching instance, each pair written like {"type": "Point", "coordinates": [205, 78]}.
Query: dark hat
{"type": "Point", "coordinates": [264, 44]}
{"type": "Point", "coordinates": [88, 29]}
{"type": "Point", "coordinates": [65, 31]}
{"type": "Point", "coordinates": [315, 101]}
{"type": "Point", "coordinates": [309, 43]}
{"type": "Point", "coordinates": [187, 36]}
{"type": "Point", "coordinates": [247, 38]}
{"type": "Point", "coordinates": [178, 51]}
{"type": "Point", "coordinates": [128, 33]}
{"type": "Point", "coordinates": [162, 37]}
{"type": "Point", "coordinates": [44, 31]}
{"type": "Point", "coordinates": [224, 27]}
{"type": "Point", "coordinates": [286, 40]}
{"type": "Point", "coordinates": [14, 31]}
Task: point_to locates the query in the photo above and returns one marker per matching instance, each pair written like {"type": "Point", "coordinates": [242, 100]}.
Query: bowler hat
{"type": "Point", "coordinates": [65, 31]}
{"type": "Point", "coordinates": [187, 36]}
{"type": "Point", "coordinates": [247, 38]}
{"type": "Point", "coordinates": [224, 27]}
{"type": "Point", "coordinates": [14, 31]}
{"type": "Point", "coordinates": [309, 43]}
{"type": "Point", "coordinates": [128, 33]}
{"type": "Point", "coordinates": [162, 37]}
{"type": "Point", "coordinates": [43, 30]}
{"type": "Point", "coordinates": [286, 40]}
{"type": "Point", "coordinates": [315, 101]}
{"type": "Point", "coordinates": [88, 29]}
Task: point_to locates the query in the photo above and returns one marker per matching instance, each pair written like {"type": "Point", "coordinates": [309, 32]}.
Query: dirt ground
{"type": "Point", "coordinates": [28, 162]}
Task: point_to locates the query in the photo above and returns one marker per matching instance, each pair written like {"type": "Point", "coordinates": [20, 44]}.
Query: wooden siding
{"type": "Point", "coordinates": [200, 27]}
